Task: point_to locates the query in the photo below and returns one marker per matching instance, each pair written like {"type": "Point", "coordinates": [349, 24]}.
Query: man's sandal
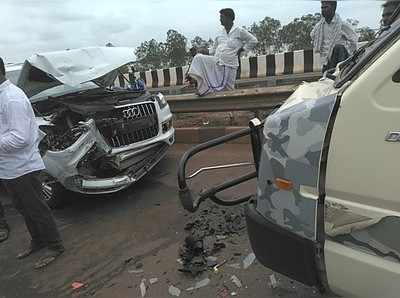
{"type": "Point", "coordinates": [48, 257]}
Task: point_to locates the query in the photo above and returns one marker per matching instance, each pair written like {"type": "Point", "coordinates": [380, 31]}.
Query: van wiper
{"type": "Point", "coordinates": [352, 60]}
{"type": "Point", "coordinates": [358, 53]}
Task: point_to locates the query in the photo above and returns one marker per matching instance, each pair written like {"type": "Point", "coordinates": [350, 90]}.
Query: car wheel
{"type": "Point", "coordinates": [53, 192]}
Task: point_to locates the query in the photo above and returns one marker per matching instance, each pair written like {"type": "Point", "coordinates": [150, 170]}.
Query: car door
{"type": "Point", "coordinates": [362, 220]}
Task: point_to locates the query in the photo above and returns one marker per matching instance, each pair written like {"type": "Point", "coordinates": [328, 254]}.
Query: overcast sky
{"type": "Point", "coordinates": [32, 26]}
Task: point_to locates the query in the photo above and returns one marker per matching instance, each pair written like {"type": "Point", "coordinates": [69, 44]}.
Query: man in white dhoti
{"type": "Point", "coordinates": [217, 71]}
{"type": "Point", "coordinates": [333, 38]}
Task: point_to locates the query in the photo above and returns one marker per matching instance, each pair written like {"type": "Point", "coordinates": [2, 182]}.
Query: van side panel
{"type": "Point", "coordinates": [362, 205]}
{"type": "Point", "coordinates": [357, 279]}
{"type": "Point", "coordinates": [293, 143]}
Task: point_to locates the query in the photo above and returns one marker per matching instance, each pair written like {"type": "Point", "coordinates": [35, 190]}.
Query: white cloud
{"type": "Point", "coordinates": [31, 26]}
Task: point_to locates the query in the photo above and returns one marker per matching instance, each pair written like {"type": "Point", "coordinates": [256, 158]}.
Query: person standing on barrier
{"type": "Point", "coordinates": [20, 165]}
{"type": "Point", "coordinates": [217, 71]}
{"type": "Point", "coordinates": [333, 38]}
{"type": "Point", "coordinates": [391, 12]}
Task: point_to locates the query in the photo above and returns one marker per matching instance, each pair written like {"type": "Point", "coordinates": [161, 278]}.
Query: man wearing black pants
{"type": "Point", "coordinates": [4, 228]}
{"type": "Point", "coordinates": [20, 166]}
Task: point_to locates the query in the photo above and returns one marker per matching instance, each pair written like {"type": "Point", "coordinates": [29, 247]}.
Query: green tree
{"type": "Point", "coordinates": [150, 55]}
{"type": "Point", "coordinates": [198, 42]}
{"type": "Point", "coordinates": [366, 34]}
{"type": "Point", "coordinates": [353, 22]}
{"type": "Point", "coordinates": [175, 47]}
{"type": "Point", "coordinates": [296, 34]}
{"type": "Point", "coordinates": [267, 33]}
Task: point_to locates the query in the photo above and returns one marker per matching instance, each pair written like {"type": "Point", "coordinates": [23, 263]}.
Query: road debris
{"type": "Point", "coordinates": [154, 280]}
{"type": "Point", "coordinates": [236, 281]}
{"type": "Point", "coordinates": [139, 271]}
{"type": "Point", "coordinates": [249, 260]}
{"type": "Point", "coordinates": [77, 285]}
{"type": "Point", "coordinates": [272, 281]}
{"type": "Point", "coordinates": [138, 265]}
{"type": "Point", "coordinates": [174, 291]}
{"type": "Point", "coordinates": [235, 266]}
{"type": "Point", "coordinates": [207, 230]}
{"type": "Point", "coordinates": [143, 288]}
{"type": "Point", "coordinates": [234, 294]}
{"type": "Point", "coordinates": [216, 267]}
{"type": "Point", "coordinates": [223, 293]}
{"type": "Point", "coordinates": [200, 284]}
{"type": "Point", "coordinates": [212, 261]}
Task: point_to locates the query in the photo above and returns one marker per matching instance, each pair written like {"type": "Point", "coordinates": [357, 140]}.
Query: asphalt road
{"type": "Point", "coordinates": [108, 238]}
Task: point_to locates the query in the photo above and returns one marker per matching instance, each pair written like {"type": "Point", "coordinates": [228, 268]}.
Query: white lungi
{"type": "Point", "coordinates": [211, 75]}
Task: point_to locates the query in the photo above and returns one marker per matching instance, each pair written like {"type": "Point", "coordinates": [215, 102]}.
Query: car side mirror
{"type": "Point", "coordinates": [396, 77]}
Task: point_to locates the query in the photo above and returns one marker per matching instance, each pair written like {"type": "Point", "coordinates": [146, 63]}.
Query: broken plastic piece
{"type": "Point", "coordinates": [136, 271]}
{"type": "Point", "coordinates": [143, 288]}
{"type": "Point", "coordinates": [199, 284]}
{"type": "Point", "coordinates": [236, 281]}
{"type": "Point", "coordinates": [272, 281]}
{"type": "Point", "coordinates": [77, 285]}
{"type": "Point", "coordinates": [211, 261]}
{"type": "Point", "coordinates": [221, 237]}
{"type": "Point", "coordinates": [249, 260]}
{"type": "Point", "coordinates": [154, 280]}
{"type": "Point", "coordinates": [174, 291]}
{"type": "Point", "coordinates": [216, 267]}
{"type": "Point", "coordinates": [223, 293]}
{"type": "Point", "coordinates": [235, 266]}
{"type": "Point", "coordinates": [234, 294]}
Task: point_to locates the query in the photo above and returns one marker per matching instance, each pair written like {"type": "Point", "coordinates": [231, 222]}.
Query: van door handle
{"type": "Point", "coordinates": [396, 77]}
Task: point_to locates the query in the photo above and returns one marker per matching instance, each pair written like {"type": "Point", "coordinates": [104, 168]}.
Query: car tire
{"type": "Point", "coordinates": [53, 193]}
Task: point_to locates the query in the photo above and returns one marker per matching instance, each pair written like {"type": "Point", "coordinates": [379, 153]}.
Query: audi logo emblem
{"type": "Point", "coordinates": [131, 113]}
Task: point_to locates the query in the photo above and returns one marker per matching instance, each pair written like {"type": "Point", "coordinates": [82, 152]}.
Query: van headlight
{"type": "Point", "coordinates": [162, 102]}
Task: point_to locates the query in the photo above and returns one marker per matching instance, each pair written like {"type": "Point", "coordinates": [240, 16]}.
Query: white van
{"type": "Point", "coordinates": [327, 205]}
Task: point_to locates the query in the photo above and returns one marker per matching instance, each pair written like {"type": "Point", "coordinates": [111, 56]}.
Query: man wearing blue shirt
{"type": "Point", "coordinates": [20, 165]}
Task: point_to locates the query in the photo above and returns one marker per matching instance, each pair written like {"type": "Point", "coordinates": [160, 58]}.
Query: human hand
{"type": "Point", "coordinates": [240, 51]}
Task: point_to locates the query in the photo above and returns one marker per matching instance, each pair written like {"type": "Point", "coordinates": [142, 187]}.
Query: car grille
{"type": "Point", "coordinates": [135, 123]}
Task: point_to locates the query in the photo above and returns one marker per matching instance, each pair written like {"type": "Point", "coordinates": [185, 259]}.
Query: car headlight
{"type": "Point", "coordinates": [162, 102]}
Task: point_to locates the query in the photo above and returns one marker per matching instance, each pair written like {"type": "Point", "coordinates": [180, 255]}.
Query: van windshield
{"type": "Point", "coordinates": [353, 65]}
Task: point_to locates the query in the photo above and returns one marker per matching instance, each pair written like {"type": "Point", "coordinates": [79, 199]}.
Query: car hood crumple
{"type": "Point", "coordinates": [310, 91]}
{"type": "Point", "coordinates": [73, 68]}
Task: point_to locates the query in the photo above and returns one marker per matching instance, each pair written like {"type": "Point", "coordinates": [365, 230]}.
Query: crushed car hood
{"type": "Point", "coordinates": [310, 91]}
{"type": "Point", "coordinates": [72, 68]}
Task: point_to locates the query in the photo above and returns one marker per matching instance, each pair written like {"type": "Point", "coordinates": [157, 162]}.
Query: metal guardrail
{"type": "Point", "coordinates": [271, 81]}
{"type": "Point", "coordinates": [237, 100]}
{"type": "Point", "coordinates": [252, 95]}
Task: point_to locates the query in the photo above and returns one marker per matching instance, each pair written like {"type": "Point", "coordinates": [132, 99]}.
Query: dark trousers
{"type": "Point", "coordinates": [26, 193]}
{"type": "Point", "coordinates": [339, 54]}
{"type": "Point", "coordinates": [2, 216]}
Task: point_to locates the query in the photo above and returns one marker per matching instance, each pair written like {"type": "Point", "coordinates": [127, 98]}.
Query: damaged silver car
{"type": "Point", "coordinates": [95, 138]}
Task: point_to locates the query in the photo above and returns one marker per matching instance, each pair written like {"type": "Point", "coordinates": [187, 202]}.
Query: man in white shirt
{"type": "Point", "coordinates": [333, 38]}
{"type": "Point", "coordinates": [218, 72]}
{"type": "Point", "coordinates": [20, 164]}
{"type": "Point", "coordinates": [390, 12]}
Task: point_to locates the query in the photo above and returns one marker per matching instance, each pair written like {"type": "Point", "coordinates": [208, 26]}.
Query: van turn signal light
{"type": "Point", "coordinates": [283, 184]}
